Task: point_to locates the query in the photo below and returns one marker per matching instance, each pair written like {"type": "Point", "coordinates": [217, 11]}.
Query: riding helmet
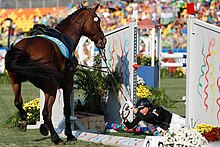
{"type": "Point", "coordinates": [144, 102]}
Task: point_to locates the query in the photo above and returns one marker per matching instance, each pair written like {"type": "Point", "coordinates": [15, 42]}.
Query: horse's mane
{"type": "Point", "coordinates": [71, 16]}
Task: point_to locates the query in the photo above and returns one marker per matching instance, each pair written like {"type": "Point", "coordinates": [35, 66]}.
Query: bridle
{"type": "Point", "coordinates": [100, 34]}
{"type": "Point", "coordinates": [125, 109]}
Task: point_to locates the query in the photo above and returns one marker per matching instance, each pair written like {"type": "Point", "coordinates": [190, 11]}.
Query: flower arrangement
{"type": "Point", "coordinates": [142, 91]}
{"type": "Point", "coordinates": [210, 132]}
{"type": "Point", "coordinates": [146, 60]}
{"type": "Point", "coordinates": [213, 135]}
{"type": "Point", "coordinates": [33, 111]}
{"type": "Point", "coordinates": [204, 128]}
{"type": "Point", "coordinates": [33, 114]}
{"type": "Point", "coordinates": [184, 137]}
{"type": "Point", "coordinates": [179, 72]}
{"type": "Point", "coordinates": [140, 81]}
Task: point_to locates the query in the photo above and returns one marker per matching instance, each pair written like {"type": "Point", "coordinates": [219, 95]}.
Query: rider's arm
{"type": "Point", "coordinates": [132, 124]}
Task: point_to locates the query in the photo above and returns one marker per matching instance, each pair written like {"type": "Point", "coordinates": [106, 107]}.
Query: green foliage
{"type": "Point", "coordinates": [12, 121]}
{"type": "Point", "coordinates": [164, 72]}
{"type": "Point", "coordinates": [91, 82]}
{"type": "Point", "coordinates": [156, 95]}
{"type": "Point", "coordinates": [113, 81]}
{"type": "Point", "coordinates": [79, 106]}
{"type": "Point", "coordinates": [146, 60]}
{"type": "Point", "coordinates": [95, 86]}
{"type": "Point", "coordinates": [97, 61]}
{"type": "Point", "coordinates": [159, 97]}
{"type": "Point", "coordinates": [178, 73]}
{"type": "Point", "coordinates": [4, 78]}
{"type": "Point", "coordinates": [33, 111]}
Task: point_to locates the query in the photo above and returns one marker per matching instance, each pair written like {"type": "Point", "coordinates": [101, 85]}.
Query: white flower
{"type": "Point", "coordinates": [184, 137]}
{"type": "Point", "coordinates": [140, 81]}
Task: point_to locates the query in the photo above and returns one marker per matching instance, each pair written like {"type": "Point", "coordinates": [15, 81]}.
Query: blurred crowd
{"type": "Point", "coordinates": [172, 15]}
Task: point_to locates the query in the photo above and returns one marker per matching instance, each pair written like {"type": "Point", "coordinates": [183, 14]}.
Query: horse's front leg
{"type": "Point", "coordinates": [47, 114]}
{"type": "Point", "coordinates": [18, 102]}
{"type": "Point", "coordinates": [67, 109]}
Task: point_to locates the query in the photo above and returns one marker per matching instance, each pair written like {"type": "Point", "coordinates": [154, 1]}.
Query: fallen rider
{"type": "Point", "coordinates": [155, 115]}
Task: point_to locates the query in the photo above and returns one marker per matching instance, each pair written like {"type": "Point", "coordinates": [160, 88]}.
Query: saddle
{"type": "Point", "coordinates": [41, 29]}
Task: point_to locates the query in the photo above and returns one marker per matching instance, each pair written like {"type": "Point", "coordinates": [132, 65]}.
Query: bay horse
{"type": "Point", "coordinates": [39, 61]}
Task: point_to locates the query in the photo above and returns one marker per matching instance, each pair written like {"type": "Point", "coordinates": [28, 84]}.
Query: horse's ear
{"type": "Point", "coordinates": [96, 7]}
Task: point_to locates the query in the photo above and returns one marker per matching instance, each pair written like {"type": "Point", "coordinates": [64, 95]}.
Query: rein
{"type": "Point", "coordinates": [94, 68]}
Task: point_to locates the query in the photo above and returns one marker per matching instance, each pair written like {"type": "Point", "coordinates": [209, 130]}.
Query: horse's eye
{"type": "Point", "coordinates": [96, 19]}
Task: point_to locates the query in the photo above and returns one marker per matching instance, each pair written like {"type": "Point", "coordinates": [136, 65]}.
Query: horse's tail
{"type": "Point", "coordinates": [19, 62]}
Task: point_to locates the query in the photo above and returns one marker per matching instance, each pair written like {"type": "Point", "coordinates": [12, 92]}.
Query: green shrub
{"type": "Point", "coordinates": [178, 73]}
{"type": "Point", "coordinates": [12, 121]}
{"type": "Point", "coordinates": [146, 60]}
{"type": "Point", "coordinates": [4, 78]}
{"type": "Point", "coordinates": [165, 72]}
{"type": "Point", "coordinates": [92, 83]}
{"type": "Point", "coordinates": [95, 86]}
{"type": "Point", "coordinates": [159, 97]}
{"type": "Point", "coordinates": [156, 95]}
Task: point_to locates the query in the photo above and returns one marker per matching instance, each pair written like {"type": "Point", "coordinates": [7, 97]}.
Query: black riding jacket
{"type": "Point", "coordinates": [156, 115]}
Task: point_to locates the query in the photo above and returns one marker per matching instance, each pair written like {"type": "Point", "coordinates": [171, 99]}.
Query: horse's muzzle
{"type": "Point", "coordinates": [101, 43]}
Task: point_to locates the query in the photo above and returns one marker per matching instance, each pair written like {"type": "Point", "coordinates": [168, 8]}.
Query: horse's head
{"type": "Point", "coordinates": [92, 28]}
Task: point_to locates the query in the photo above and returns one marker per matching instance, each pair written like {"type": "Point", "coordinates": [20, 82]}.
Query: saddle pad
{"type": "Point", "coordinates": [63, 49]}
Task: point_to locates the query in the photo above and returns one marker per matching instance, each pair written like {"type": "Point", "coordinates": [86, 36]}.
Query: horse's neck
{"type": "Point", "coordinates": [74, 34]}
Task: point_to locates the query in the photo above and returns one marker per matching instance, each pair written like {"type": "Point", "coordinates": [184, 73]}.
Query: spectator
{"type": "Point", "coordinates": [114, 15]}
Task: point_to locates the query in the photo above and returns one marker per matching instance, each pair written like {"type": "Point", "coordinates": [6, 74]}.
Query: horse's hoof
{"type": "Point", "coordinates": [59, 142]}
{"type": "Point", "coordinates": [22, 125]}
{"type": "Point", "coordinates": [71, 138]}
{"type": "Point", "coordinates": [44, 129]}
{"type": "Point", "coordinates": [56, 139]}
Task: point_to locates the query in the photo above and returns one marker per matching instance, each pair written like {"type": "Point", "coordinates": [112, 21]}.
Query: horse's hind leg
{"type": "Point", "coordinates": [67, 109]}
{"type": "Point", "coordinates": [47, 114]}
{"type": "Point", "coordinates": [18, 102]}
